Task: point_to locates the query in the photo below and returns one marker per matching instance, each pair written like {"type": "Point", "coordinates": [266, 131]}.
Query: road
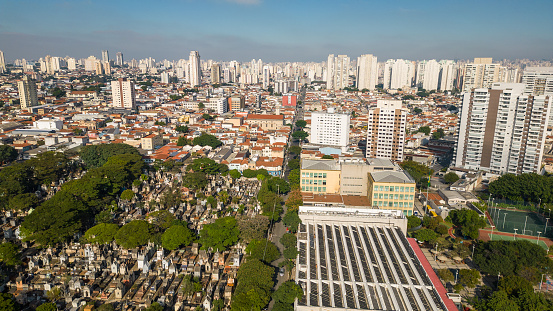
{"type": "Point", "coordinates": [279, 229]}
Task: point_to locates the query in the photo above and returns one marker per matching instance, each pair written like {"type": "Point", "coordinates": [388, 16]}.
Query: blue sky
{"type": "Point", "coordinates": [277, 30]}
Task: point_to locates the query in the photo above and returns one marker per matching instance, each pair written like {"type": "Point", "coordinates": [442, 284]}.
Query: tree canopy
{"type": "Point", "coordinates": [287, 293]}
{"type": "Point", "coordinates": [134, 234]}
{"type": "Point", "coordinates": [208, 166]}
{"type": "Point", "coordinates": [253, 228]}
{"type": "Point", "coordinates": [194, 181]}
{"type": "Point", "coordinates": [263, 250]}
{"type": "Point", "coordinates": [300, 135]}
{"type": "Point", "coordinates": [524, 187]}
{"type": "Point", "coordinates": [176, 236]}
{"type": "Point", "coordinates": [468, 220]}
{"type": "Point", "coordinates": [9, 254]}
{"type": "Point", "coordinates": [98, 155]}
{"type": "Point", "coordinates": [207, 140]}
{"type": "Point", "coordinates": [451, 177]}
{"type": "Point", "coordinates": [255, 281]}
{"type": "Point", "coordinates": [425, 130]}
{"type": "Point", "coordinates": [7, 302]}
{"type": "Point", "coordinates": [220, 235]}
{"type": "Point", "coordinates": [417, 171]}
{"type": "Point", "coordinates": [7, 154]}
{"type": "Point", "coordinates": [102, 233]}
{"type": "Point", "coordinates": [301, 123]}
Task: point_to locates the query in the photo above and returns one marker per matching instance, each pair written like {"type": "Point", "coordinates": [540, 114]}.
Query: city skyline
{"type": "Point", "coordinates": [277, 31]}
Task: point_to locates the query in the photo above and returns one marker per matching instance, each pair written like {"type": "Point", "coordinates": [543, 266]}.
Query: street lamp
{"type": "Point", "coordinates": [538, 242]}
{"type": "Point", "coordinates": [515, 236]}
{"type": "Point", "coordinates": [546, 221]}
{"type": "Point", "coordinates": [524, 232]}
{"type": "Point", "coordinates": [436, 253]}
{"type": "Point", "coordinates": [504, 220]}
{"type": "Point", "coordinates": [456, 272]}
{"type": "Point", "coordinates": [472, 256]}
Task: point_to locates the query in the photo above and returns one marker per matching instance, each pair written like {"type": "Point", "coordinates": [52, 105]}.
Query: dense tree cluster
{"type": "Point", "coordinates": [220, 235]}
{"type": "Point", "coordinates": [285, 296]}
{"type": "Point", "coordinates": [207, 166]}
{"type": "Point", "coordinates": [419, 172]}
{"type": "Point", "coordinates": [255, 281]}
{"type": "Point", "coordinates": [263, 250]}
{"type": "Point", "coordinates": [451, 177]}
{"type": "Point", "coordinates": [207, 140]}
{"type": "Point", "coordinates": [98, 155]}
{"type": "Point", "coordinates": [7, 154]}
{"type": "Point", "coordinates": [524, 187]}
{"type": "Point", "coordinates": [248, 173]}
{"type": "Point", "coordinates": [514, 293]}
{"type": "Point", "coordinates": [469, 221]}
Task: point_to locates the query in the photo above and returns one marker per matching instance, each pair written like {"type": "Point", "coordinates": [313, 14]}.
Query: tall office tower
{"type": "Point", "coordinates": [47, 65]}
{"type": "Point", "coordinates": [27, 92]}
{"type": "Point", "coordinates": [216, 73]}
{"type": "Point", "coordinates": [122, 91]}
{"type": "Point", "coordinates": [502, 130]}
{"type": "Point", "coordinates": [266, 76]}
{"type": "Point", "coordinates": [2, 62]}
{"type": "Point", "coordinates": [447, 74]}
{"type": "Point", "coordinates": [164, 77]}
{"type": "Point", "coordinates": [330, 128]}
{"type": "Point", "coordinates": [386, 131]}
{"type": "Point", "coordinates": [428, 74]}
{"type": "Point", "coordinates": [105, 56]}
{"type": "Point", "coordinates": [481, 74]}
{"type": "Point", "coordinates": [398, 74]}
{"type": "Point", "coordinates": [71, 64]}
{"type": "Point", "coordinates": [194, 77]}
{"type": "Point", "coordinates": [367, 72]}
{"type": "Point", "coordinates": [119, 59]}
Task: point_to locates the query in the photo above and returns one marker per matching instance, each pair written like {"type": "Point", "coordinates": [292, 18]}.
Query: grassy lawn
{"type": "Point", "coordinates": [497, 237]}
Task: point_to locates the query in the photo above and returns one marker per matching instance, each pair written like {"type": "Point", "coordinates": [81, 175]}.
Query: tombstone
{"type": "Point", "coordinates": [86, 291]}
{"type": "Point", "coordinates": [114, 267]}
{"type": "Point", "coordinates": [119, 291]}
{"type": "Point", "coordinates": [159, 254]}
{"type": "Point", "coordinates": [197, 271]}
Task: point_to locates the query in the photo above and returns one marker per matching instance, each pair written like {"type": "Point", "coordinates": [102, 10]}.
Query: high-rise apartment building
{"type": "Point", "coordinates": [448, 73]}
{"type": "Point", "coordinates": [71, 63]}
{"type": "Point", "coordinates": [538, 80]}
{"type": "Point", "coordinates": [2, 62]}
{"type": "Point", "coordinates": [330, 128]}
{"type": "Point", "coordinates": [398, 74]}
{"type": "Point", "coordinates": [194, 78]}
{"type": "Point", "coordinates": [337, 72]}
{"type": "Point", "coordinates": [266, 76]}
{"type": "Point", "coordinates": [119, 59]}
{"type": "Point", "coordinates": [105, 56]}
{"type": "Point", "coordinates": [215, 73]}
{"type": "Point", "coordinates": [123, 93]}
{"type": "Point", "coordinates": [367, 72]}
{"type": "Point", "coordinates": [236, 103]}
{"type": "Point", "coordinates": [502, 130]}
{"type": "Point", "coordinates": [482, 73]}
{"type": "Point", "coordinates": [386, 130]}
{"type": "Point", "coordinates": [428, 74]}
{"type": "Point", "coordinates": [27, 92]}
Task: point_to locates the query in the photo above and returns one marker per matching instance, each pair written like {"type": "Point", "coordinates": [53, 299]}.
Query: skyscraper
{"type": "Point", "coordinates": [216, 73]}
{"type": "Point", "coordinates": [481, 73]}
{"type": "Point", "coordinates": [2, 62]}
{"type": "Point", "coordinates": [194, 77]}
{"type": "Point", "coordinates": [119, 59]}
{"type": "Point", "coordinates": [428, 74]}
{"type": "Point", "coordinates": [367, 72]}
{"type": "Point", "coordinates": [266, 76]}
{"type": "Point", "coordinates": [502, 130]}
{"type": "Point", "coordinates": [105, 56]}
{"type": "Point", "coordinates": [398, 74]}
{"type": "Point", "coordinates": [122, 91]}
{"type": "Point", "coordinates": [337, 72]}
{"type": "Point", "coordinates": [27, 92]}
{"type": "Point", "coordinates": [386, 130]}
{"type": "Point", "coordinates": [330, 128]}
{"type": "Point", "coordinates": [447, 74]}
{"type": "Point", "coordinates": [330, 72]}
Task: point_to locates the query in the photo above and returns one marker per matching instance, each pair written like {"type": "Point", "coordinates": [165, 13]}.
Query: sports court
{"type": "Point", "coordinates": [525, 223]}
{"type": "Point", "coordinates": [498, 237]}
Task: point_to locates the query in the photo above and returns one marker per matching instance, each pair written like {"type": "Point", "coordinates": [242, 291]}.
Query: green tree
{"type": "Point", "coordinates": [288, 240]}
{"type": "Point", "coordinates": [103, 233]}
{"type": "Point", "coordinates": [208, 166]}
{"type": "Point", "coordinates": [23, 202]}
{"type": "Point", "coordinates": [183, 141]}
{"type": "Point", "coordinates": [127, 195]}
{"type": "Point", "coordinates": [253, 228]}
{"type": "Point", "coordinates": [295, 199]}
{"type": "Point", "coordinates": [451, 177]}
{"type": "Point", "coordinates": [176, 236]}
{"type": "Point", "coordinates": [439, 133]}
{"type": "Point", "coordinates": [430, 222]}
{"type": "Point", "coordinates": [7, 154]}
{"type": "Point", "coordinates": [9, 254]}
{"type": "Point", "coordinates": [106, 307]}
{"type": "Point", "coordinates": [413, 221]}
{"type": "Point", "coordinates": [49, 306]}
{"type": "Point", "coordinates": [417, 171]}
{"type": "Point", "coordinates": [294, 178]}
{"type": "Point", "coordinates": [417, 110]}
{"type": "Point", "coordinates": [425, 130]}
{"type": "Point", "coordinates": [255, 281]}
{"type": "Point", "coordinates": [327, 157]}
{"type": "Point", "coordinates": [135, 233]}
{"type": "Point", "coordinates": [291, 220]}
{"type": "Point", "coordinates": [446, 275]}
{"type": "Point", "coordinates": [295, 150]}
{"type": "Point", "coordinates": [49, 166]}
{"type": "Point", "coordinates": [220, 235]}
{"type": "Point", "coordinates": [58, 93]}
{"type": "Point", "coordinates": [301, 123]}
{"type": "Point", "coordinates": [278, 185]}
{"type": "Point", "coordinates": [181, 128]}
{"type": "Point", "coordinates": [201, 105]}
{"type": "Point", "coordinates": [291, 252]}
{"type": "Point", "coordinates": [441, 229]}
{"type": "Point", "coordinates": [98, 155]}
{"type": "Point", "coordinates": [469, 221]}
{"type": "Point", "coordinates": [263, 250]}
{"type": "Point", "coordinates": [235, 174]}
{"type": "Point", "coordinates": [7, 302]}
{"type": "Point", "coordinates": [301, 135]}
{"type": "Point", "coordinates": [194, 181]}
{"type": "Point", "coordinates": [426, 235]}
{"type": "Point", "coordinates": [154, 307]}
{"type": "Point", "coordinates": [162, 219]}
{"type": "Point", "coordinates": [207, 140]}
{"type": "Point", "coordinates": [469, 277]}
{"type": "Point", "coordinates": [294, 164]}
{"type": "Point", "coordinates": [287, 293]}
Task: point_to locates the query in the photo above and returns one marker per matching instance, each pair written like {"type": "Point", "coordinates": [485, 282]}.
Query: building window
{"type": "Point", "coordinates": [401, 189]}
{"type": "Point", "coordinates": [375, 188]}
{"type": "Point", "coordinates": [386, 188]}
{"type": "Point", "coordinates": [395, 204]}
{"type": "Point", "coordinates": [395, 196]}
{"type": "Point", "coordinates": [397, 189]}
{"type": "Point", "coordinates": [324, 189]}
{"type": "Point", "coordinates": [400, 204]}
{"type": "Point", "coordinates": [412, 189]}
{"type": "Point", "coordinates": [375, 196]}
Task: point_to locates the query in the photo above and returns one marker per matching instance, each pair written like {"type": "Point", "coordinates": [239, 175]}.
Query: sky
{"type": "Point", "coordinates": [277, 30]}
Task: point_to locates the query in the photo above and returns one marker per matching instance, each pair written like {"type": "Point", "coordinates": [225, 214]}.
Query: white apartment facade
{"type": "Point", "coordinates": [337, 72]}
{"type": "Point", "coordinates": [330, 128]}
{"type": "Point", "coordinates": [398, 74]}
{"type": "Point", "coordinates": [123, 93]}
{"type": "Point", "coordinates": [502, 130]}
{"type": "Point", "coordinates": [194, 78]}
{"type": "Point", "coordinates": [367, 72]}
{"type": "Point", "coordinates": [386, 130]}
{"type": "Point", "coordinates": [428, 74]}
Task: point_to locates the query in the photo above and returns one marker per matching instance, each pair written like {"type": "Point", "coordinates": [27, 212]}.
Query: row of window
{"type": "Point", "coordinates": [313, 189]}
{"type": "Point", "coordinates": [392, 188]}
{"type": "Point", "coordinates": [313, 182]}
{"type": "Point", "coordinates": [313, 175]}
{"type": "Point", "coordinates": [393, 196]}
{"type": "Point", "coordinates": [392, 204]}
